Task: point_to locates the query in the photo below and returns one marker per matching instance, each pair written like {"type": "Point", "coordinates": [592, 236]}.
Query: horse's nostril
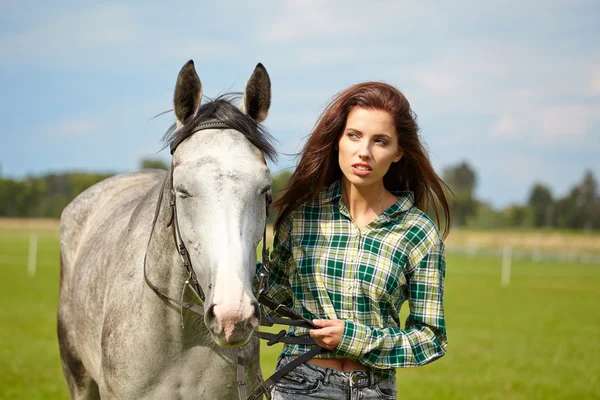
{"type": "Point", "coordinates": [210, 314]}
{"type": "Point", "coordinates": [256, 313]}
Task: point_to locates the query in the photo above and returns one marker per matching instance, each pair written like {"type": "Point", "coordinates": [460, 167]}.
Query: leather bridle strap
{"type": "Point", "coordinates": [265, 387]}
{"type": "Point", "coordinates": [199, 127]}
{"type": "Point", "coordinates": [188, 306]}
{"type": "Point", "coordinates": [294, 319]}
{"type": "Point", "coordinates": [180, 245]}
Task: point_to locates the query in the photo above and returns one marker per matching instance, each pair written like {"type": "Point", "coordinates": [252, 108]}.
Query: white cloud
{"type": "Point", "coordinates": [295, 21]}
{"type": "Point", "coordinates": [506, 127]}
{"type": "Point", "coordinates": [569, 123]}
{"type": "Point", "coordinates": [115, 35]}
{"type": "Point", "coordinates": [522, 169]}
{"type": "Point", "coordinates": [300, 19]}
{"type": "Point", "coordinates": [439, 83]}
{"type": "Point", "coordinates": [594, 88]}
{"type": "Point", "coordinates": [72, 32]}
{"type": "Point", "coordinates": [71, 126]}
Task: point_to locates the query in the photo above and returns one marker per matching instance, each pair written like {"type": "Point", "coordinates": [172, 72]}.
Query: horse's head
{"type": "Point", "coordinates": [221, 185]}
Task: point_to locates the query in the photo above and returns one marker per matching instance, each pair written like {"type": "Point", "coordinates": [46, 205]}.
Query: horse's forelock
{"type": "Point", "coordinates": [223, 111]}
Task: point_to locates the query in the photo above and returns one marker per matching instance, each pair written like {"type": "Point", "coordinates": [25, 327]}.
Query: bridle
{"type": "Point", "coordinates": [290, 316]}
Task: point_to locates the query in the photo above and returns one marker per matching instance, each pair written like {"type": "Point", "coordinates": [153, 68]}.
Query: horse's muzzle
{"type": "Point", "coordinates": [232, 327]}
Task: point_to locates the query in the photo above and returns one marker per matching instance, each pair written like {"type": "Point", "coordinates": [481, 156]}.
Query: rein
{"type": "Point", "coordinates": [290, 317]}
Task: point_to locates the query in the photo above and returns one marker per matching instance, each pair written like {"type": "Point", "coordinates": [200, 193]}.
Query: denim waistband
{"type": "Point", "coordinates": [358, 379]}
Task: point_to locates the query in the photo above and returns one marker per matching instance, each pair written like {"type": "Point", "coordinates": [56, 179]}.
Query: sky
{"type": "Point", "coordinates": [511, 87]}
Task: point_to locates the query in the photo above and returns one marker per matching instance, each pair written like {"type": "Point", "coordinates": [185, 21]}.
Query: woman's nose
{"type": "Point", "coordinates": [364, 152]}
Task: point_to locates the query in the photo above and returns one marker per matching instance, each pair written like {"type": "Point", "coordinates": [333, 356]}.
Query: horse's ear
{"type": "Point", "coordinates": [257, 96]}
{"type": "Point", "coordinates": [188, 93]}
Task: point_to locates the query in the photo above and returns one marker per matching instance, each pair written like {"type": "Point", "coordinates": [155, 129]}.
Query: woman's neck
{"type": "Point", "coordinates": [365, 203]}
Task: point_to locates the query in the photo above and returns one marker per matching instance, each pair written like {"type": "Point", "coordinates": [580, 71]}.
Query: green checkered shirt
{"type": "Point", "coordinates": [325, 267]}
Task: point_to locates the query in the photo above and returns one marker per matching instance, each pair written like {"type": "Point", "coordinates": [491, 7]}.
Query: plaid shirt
{"type": "Point", "coordinates": [325, 267]}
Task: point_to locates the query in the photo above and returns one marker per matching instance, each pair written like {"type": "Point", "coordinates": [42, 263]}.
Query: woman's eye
{"type": "Point", "coordinates": [352, 135]}
{"type": "Point", "coordinates": [381, 142]}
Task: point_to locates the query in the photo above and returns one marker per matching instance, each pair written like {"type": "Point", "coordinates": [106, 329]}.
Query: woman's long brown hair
{"type": "Point", "coordinates": [319, 168]}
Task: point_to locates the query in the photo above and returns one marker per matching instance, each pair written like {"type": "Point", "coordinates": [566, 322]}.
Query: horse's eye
{"type": "Point", "coordinates": [265, 190]}
{"type": "Point", "coordinates": [183, 193]}
{"type": "Point", "coordinates": [269, 199]}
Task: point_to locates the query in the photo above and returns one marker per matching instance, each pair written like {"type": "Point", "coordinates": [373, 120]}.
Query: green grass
{"type": "Point", "coordinates": [539, 338]}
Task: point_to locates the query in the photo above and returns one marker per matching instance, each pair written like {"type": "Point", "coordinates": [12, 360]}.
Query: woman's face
{"type": "Point", "coordinates": [368, 146]}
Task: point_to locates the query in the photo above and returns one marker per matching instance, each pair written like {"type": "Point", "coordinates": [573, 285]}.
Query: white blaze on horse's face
{"type": "Point", "coordinates": [221, 183]}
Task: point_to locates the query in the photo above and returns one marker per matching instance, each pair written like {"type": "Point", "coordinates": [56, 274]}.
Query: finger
{"type": "Point", "coordinates": [321, 323]}
{"type": "Point", "coordinates": [315, 334]}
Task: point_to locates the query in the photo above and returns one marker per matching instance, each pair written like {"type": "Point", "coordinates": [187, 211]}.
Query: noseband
{"type": "Point", "coordinates": [291, 317]}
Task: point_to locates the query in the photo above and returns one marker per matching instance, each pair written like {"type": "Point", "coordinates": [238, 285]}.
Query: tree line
{"type": "Point", "coordinates": [46, 196]}
{"type": "Point", "coordinates": [578, 209]}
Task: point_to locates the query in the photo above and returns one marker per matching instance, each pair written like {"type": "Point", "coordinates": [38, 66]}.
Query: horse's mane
{"type": "Point", "coordinates": [222, 110]}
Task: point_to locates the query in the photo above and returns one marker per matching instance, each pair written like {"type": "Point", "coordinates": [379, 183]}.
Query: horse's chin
{"type": "Point", "coordinates": [228, 344]}
{"type": "Point", "coordinates": [233, 334]}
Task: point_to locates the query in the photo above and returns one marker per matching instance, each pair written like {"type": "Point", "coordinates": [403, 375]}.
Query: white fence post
{"type": "Point", "coordinates": [471, 248]}
{"type": "Point", "coordinates": [32, 259]}
{"type": "Point", "coordinates": [537, 255]}
{"type": "Point", "coordinates": [506, 261]}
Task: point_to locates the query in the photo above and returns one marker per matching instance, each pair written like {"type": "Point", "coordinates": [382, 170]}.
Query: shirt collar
{"type": "Point", "coordinates": [333, 192]}
{"type": "Point", "coordinates": [406, 200]}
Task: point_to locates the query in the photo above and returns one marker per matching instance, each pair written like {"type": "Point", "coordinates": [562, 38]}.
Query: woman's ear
{"type": "Point", "coordinates": [399, 156]}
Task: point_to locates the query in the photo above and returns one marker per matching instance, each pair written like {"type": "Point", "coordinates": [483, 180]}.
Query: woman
{"type": "Point", "coordinates": [353, 243]}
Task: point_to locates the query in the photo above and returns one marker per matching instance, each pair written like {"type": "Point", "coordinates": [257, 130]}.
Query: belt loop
{"type": "Point", "coordinates": [327, 373]}
{"type": "Point", "coordinates": [371, 378]}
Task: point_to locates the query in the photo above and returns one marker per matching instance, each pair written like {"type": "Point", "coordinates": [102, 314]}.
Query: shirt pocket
{"type": "Point", "coordinates": [295, 383]}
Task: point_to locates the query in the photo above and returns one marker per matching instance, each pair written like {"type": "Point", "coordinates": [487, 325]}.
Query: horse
{"type": "Point", "coordinates": [124, 327]}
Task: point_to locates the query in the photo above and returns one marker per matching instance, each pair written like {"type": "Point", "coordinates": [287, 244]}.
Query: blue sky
{"type": "Point", "coordinates": [511, 87]}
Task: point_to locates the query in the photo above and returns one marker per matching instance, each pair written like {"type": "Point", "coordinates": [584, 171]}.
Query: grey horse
{"type": "Point", "coordinates": [118, 338]}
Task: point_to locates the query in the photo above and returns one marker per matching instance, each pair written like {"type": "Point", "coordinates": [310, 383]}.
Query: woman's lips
{"type": "Point", "coordinates": [361, 169]}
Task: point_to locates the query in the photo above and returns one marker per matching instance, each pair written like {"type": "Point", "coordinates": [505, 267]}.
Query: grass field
{"type": "Point", "coordinates": [539, 338]}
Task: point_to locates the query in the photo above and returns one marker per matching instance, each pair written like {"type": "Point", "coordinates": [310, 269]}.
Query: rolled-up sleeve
{"type": "Point", "coordinates": [424, 338]}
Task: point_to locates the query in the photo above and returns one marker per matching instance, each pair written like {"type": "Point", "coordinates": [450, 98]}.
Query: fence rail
{"type": "Point", "coordinates": [534, 255]}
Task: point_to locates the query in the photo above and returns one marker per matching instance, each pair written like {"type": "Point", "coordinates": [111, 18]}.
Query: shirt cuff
{"type": "Point", "coordinates": [354, 340]}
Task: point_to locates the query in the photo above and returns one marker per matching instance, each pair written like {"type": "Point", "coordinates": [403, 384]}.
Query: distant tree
{"type": "Point", "coordinates": [462, 179]}
{"type": "Point", "coordinates": [485, 217]}
{"type": "Point", "coordinates": [566, 210]}
{"type": "Point", "coordinates": [45, 196]}
{"type": "Point", "coordinates": [542, 205]}
{"type": "Point", "coordinates": [580, 209]}
{"type": "Point", "coordinates": [20, 198]}
{"type": "Point", "coordinates": [153, 163]}
{"type": "Point", "coordinates": [280, 180]}
{"type": "Point", "coordinates": [518, 216]}
{"type": "Point", "coordinates": [588, 202]}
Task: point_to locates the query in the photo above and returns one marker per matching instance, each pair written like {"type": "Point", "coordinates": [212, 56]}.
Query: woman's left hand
{"type": "Point", "coordinates": [329, 332]}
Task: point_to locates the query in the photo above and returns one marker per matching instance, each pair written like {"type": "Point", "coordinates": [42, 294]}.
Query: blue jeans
{"type": "Point", "coordinates": [309, 381]}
